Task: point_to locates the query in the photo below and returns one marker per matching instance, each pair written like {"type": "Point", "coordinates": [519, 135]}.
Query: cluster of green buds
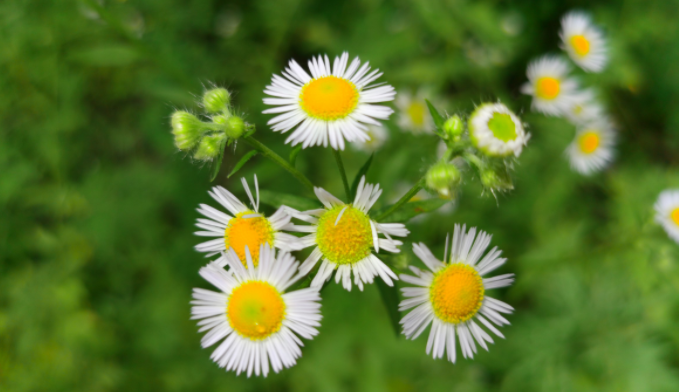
{"type": "Point", "coordinates": [489, 142]}
{"type": "Point", "coordinates": [206, 140]}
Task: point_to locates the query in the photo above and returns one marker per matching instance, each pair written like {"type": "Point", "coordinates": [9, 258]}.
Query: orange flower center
{"type": "Point", "coordinates": [580, 44]}
{"type": "Point", "coordinates": [589, 142]}
{"type": "Point", "coordinates": [456, 293]}
{"type": "Point", "coordinates": [548, 87]}
{"type": "Point", "coordinates": [329, 98]}
{"type": "Point", "coordinates": [255, 310]}
{"type": "Point", "coordinates": [245, 231]}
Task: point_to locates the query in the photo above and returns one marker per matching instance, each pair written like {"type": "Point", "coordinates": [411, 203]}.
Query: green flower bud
{"type": "Point", "coordinates": [235, 126]}
{"type": "Point", "coordinates": [216, 100]}
{"type": "Point", "coordinates": [495, 182]}
{"type": "Point", "coordinates": [453, 127]}
{"type": "Point", "coordinates": [442, 177]}
{"type": "Point", "coordinates": [186, 129]}
{"type": "Point", "coordinates": [210, 147]}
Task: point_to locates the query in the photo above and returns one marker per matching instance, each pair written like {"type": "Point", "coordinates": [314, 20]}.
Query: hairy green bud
{"type": "Point", "coordinates": [442, 177]}
{"type": "Point", "coordinates": [186, 129]}
{"type": "Point", "coordinates": [453, 127]}
{"type": "Point", "coordinates": [210, 147]}
{"type": "Point", "coordinates": [494, 181]}
{"type": "Point", "coordinates": [235, 127]}
{"type": "Point", "coordinates": [216, 100]}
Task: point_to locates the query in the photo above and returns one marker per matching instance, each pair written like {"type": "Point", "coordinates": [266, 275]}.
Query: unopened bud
{"type": "Point", "coordinates": [453, 127]}
{"type": "Point", "coordinates": [235, 126]}
{"type": "Point", "coordinates": [216, 100]}
{"type": "Point", "coordinates": [491, 180]}
{"type": "Point", "coordinates": [186, 129]}
{"type": "Point", "coordinates": [210, 147]}
{"type": "Point", "coordinates": [442, 177]}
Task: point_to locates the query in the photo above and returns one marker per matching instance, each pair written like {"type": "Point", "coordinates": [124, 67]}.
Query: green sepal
{"type": "Point", "coordinates": [439, 121]}
{"type": "Point", "coordinates": [361, 172]}
{"type": "Point", "coordinates": [276, 199]}
{"type": "Point", "coordinates": [390, 299]}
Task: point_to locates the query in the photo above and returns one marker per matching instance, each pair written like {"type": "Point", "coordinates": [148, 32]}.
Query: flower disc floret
{"type": "Point", "coordinates": [329, 98]}
{"type": "Point", "coordinates": [580, 44]}
{"type": "Point", "coordinates": [548, 87]}
{"type": "Point", "coordinates": [255, 310]}
{"type": "Point", "coordinates": [456, 293]}
{"type": "Point", "coordinates": [345, 238]}
{"type": "Point", "coordinates": [589, 142]}
{"type": "Point", "coordinates": [251, 230]}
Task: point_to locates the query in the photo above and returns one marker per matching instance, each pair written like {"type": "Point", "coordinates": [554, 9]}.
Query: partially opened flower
{"type": "Point", "coordinates": [496, 130]}
{"type": "Point", "coordinates": [257, 320]}
{"type": "Point", "coordinates": [332, 105]}
{"type": "Point", "coordinates": [584, 108]}
{"type": "Point", "coordinates": [345, 236]}
{"type": "Point", "coordinates": [667, 212]}
{"type": "Point", "coordinates": [451, 296]}
{"type": "Point", "coordinates": [245, 227]}
{"type": "Point", "coordinates": [583, 41]}
{"type": "Point", "coordinates": [548, 82]}
{"type": "Point", "coordinates": [413, 114]}
{"type": "Point", "coordinates": [592, 150]}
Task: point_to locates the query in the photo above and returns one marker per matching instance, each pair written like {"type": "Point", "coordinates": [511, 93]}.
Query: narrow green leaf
{"type": "Point", "coordinates": [217, 163]}
{"type": "Point", "coordinates": [242, 162]}
{"type": "Point", "coordinates": [276, 199]}
{"type": "Point", "coordinates": [390, 299]}
{"type": "Point", "coordinates": [361, 172]}
{"type": "Point", "coordinates": [293, 154]}
{"type": "Point", "coordinates": [412, 209]}
{"type": "Point", "coordinates": [438, 119]}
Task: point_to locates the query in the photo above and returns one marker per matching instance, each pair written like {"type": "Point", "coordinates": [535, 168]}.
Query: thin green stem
{"type": "Point", "coordinates": [340, 165]}
{"type": "Point", "coordinates": [409, 195]}
{"type": "Point", "coordinates": [269, 153]}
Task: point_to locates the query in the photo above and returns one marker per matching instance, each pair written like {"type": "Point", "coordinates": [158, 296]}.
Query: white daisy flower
{"type": "Point", "coordinates": [584, 108]}
{"type": "Point", "coordinates": [592, 149]}
{"type": "Point", "coordinates": [583, 41]}
{"type": "Point", "coordinates": [256, 319]}
{"type": "Point", "coordinates": [378, 136]}
{"type": "Point", "coordinates": [245, 227]}
{"type": "Point", "coordinates": [413, 114]}
{"type": "Point", "coordinates": [331, 104]}
{"type": "Point", "coordinates": [452, 296]}
{"type": "Point", "coordinates": [496, 130]}
{"type": "Point", "coordinates": [344, 236]}
{"type": "Point", "coordinates": [667, 212]}
{"type": "Point", "coordinates": [548, 82]}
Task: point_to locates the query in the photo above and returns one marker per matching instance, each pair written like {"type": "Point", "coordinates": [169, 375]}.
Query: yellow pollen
{"type": "Point", "coordinates": [252, 232]}
{"type": "Point", "coordinates": [675, 216]}
{"type": "Point", "coordinates": [548, 87]}
{"type": "Point", "coordinates": [580, 45]}
{"type": "Point", "coordinates": [255, 310]}
{"type": "Point", "coordinates": [589, 142]}
{"type": "Point", "coordinates": [417, 112]}
{"type": "Point", "coordinates": [349, 240]}
{"type": "Point", "coordinates": [329, 98]}
{"type": "Point", "coordinates": [456, 293]}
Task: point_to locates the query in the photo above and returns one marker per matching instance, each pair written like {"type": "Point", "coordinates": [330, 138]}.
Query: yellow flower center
{"type": "Point", "coordinates": [255, 310]}
{"type": "Point", "coordinates": [417, 112]}
{"type": "Point", "coordinates": [250, 232]}
{"type": "Point", "coordinates": [675, 216]}
{"type": "Point", "coordinates": [329, 98]}
{"type": "Point", "coordinates": [589, 142]}
{"type": "Point", "coordinates": [580, 44]}
{"type": "Point", "coordinates": [548, 87]}
{"type": "Point", "coordinates": [456, 293]}
{"type": "Point", "coordinates": [346, 241]}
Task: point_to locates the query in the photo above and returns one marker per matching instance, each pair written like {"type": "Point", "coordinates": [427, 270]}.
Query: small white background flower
{"type": "Point", "coordinates": [552, 89]}
{"type": "Point", "coordinates": [593, 147]}
{"type": "Point", "coordinates": [583, 41]}
{"type": "Point", "coordinates": [667, 212]}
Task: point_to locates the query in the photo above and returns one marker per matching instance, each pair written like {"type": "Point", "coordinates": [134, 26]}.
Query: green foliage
{"type": "Point", "coordinates": [97, 206]}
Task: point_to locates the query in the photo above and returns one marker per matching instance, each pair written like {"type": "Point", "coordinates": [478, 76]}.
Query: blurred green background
{"type": "Point", "coordinates": [97, 206]}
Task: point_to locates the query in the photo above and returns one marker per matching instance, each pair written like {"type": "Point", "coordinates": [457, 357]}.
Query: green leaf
{"type": "Point", "coordinates": [412, 209]}
{"type": "Point", "coordinates": [390, 299]}
{"type": "Point", "coordinates": [276, 199]}
{"type": "Point", "coordinates": [242, 162]}
{"type": "Point", "coordinates": [217, 162]}
{"type": "Point", "coordinates": [293, 154]}
{"type": "Point", "coordinates": [361, 172]}
{"type": "Point", "coordinates": [438, 119]}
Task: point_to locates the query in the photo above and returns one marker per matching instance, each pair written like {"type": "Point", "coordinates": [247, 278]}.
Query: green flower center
{"type": "Point", "coordinates": [502, 126]}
